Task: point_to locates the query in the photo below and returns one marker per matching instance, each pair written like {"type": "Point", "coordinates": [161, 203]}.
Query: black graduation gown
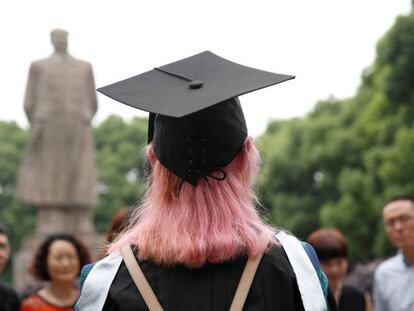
{"type": "Point", "coordinates": [210, 288]}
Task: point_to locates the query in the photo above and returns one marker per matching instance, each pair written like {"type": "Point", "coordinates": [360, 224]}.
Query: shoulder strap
{"type": "Point", "coordinates": [140, 280]}
{"type": "Point", "coordinates": [246, 281]}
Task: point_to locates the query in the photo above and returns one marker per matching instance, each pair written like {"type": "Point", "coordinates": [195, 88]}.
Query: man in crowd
{"type": "Point", "coordinates": [394, 278]}
{"type": "Point", "coordinates": [9, 300]}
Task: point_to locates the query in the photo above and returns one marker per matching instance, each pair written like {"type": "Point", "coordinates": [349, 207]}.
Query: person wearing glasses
{"type": "Point", "coordinates": [394, 278]}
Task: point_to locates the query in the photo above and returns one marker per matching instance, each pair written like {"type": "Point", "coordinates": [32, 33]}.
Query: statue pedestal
{"type": "Point", "coordinates": [76, 221]}
{"type": "Point", "coordinates": [70, 220]}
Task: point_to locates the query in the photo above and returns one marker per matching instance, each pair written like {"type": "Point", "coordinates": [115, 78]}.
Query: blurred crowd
{"type": "Point", "coordinates": [375, 286]}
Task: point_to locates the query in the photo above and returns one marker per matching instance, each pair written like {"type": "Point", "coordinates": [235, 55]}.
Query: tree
{"type": "Point", "coordinates": [19, 219]}
{"type": "Point", "coordinates": [337, 166]}
{"type": "Point", "coordinates": [120, 166]}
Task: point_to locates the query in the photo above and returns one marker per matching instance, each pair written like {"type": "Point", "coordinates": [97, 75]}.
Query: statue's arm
{"type": "Point", "coordinates": [30, 96]}
{"type": "Point", "coordinates": [92, 95]}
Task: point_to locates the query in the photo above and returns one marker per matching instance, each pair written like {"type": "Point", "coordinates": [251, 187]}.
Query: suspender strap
{"type": "Point", "coordinates": [246, 281]}
{"type": "Point", "coordinates": [151, 300]}
{"type": "Point", "coordinates": [139, 279]}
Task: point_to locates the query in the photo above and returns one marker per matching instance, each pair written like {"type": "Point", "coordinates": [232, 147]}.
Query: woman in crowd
{"type": "Point", "coordinates": [58, 261]}
{"type": "Point", "coordinates": [197, 242]}
{"type": "Point", "coordinates": [118, 223]}
{"type": "Point", "coordinates": [331, 248]}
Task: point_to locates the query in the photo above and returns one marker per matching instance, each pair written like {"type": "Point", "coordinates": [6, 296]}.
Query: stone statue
{"type": "Point", "coordinates": [58, 171]}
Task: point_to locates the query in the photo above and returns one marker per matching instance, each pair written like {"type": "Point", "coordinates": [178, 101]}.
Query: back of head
{"type": "Point", "coordinates": [200, 204]}
{"type": "Point", "coordinates": [214, 221]}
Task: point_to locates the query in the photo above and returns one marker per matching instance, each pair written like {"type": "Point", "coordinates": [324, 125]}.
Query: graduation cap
{"type": "Point", "coordinates": [196, 123]}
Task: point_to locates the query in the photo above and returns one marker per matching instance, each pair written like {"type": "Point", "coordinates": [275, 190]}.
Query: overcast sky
{"type": "Point", "coordinates": [325, 43]}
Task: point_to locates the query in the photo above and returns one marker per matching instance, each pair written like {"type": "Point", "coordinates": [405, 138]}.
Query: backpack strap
{"type": "Point", "coordinates": [139, 279]}
{"type": "Point", "coordinates": [309, 285]}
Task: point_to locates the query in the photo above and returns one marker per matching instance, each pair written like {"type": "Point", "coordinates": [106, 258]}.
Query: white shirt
{"type": "Point", "coordinates": [394, 285]}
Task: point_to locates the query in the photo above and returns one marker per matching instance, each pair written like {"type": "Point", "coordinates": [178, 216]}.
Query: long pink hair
{"type": "Point", "coordinates": [213, 222]}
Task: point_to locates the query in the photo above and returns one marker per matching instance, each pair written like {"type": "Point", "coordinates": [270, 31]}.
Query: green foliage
{"type": "Point", "coordinates": [120, 169]}
{"type": "Point", "coordinates": [18, 219]}
{"type": "Point", "coordinates": [120, 166]}
{"type": "Point", "coordinates": [337, 166]}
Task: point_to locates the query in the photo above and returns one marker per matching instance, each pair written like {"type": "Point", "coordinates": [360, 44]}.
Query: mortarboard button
{"type": "Point", "coordinates": [195, 84]}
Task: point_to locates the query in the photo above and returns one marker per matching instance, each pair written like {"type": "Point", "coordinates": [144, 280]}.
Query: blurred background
{"type": "Point", "coordinates": [336, 142]}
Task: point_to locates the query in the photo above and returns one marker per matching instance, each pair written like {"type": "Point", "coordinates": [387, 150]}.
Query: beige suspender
{"type": "Point", "coordinates": [152, 301]}
{"type": "Point", "coordinates": [140, 280]}
{"type": "Point", "coordinates": [245, 283]}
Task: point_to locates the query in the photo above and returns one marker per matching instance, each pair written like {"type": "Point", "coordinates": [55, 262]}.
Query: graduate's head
{"type": "Point", "coordinates": [59, 258]}
{"type": "Point", "coordinates": [196, 123]}
{"type": "Point", "coordinates": [213, 221]}
{"type": "Point", "coordinates": [200, 204]}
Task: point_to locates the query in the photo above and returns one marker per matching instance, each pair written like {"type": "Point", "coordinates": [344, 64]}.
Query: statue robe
{"type": "Point", "coordinates": [59, 165]}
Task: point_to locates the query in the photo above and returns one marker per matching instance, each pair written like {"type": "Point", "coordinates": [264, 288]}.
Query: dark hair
{"type": "Point", "coordinates": [39, 265]}
{"type": "Point", "coordinates": [118, 223]}
{"type": "Point", "coordinates": [400, 198]}
{"type": "Point", "coordinates": [3, 230]}
{"type": "Point", "coordinates": [328, 244]}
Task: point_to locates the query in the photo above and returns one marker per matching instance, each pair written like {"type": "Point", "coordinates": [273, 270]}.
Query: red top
{"type": "Point", "coordinates": [37, 303]}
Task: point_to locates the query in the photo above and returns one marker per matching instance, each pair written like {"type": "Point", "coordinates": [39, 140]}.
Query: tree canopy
{"type": "Point", "coordinates": [337, 166]}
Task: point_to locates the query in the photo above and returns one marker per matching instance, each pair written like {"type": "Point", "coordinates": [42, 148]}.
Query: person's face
{"type": "Point", "coordinates": [335, 269]}
{"type": "Point", "coordinates": [4, 251]}
{"type": "Point", "coordinates": [398, 219]}
{"type": "Point", "coordinates": [62, 261]}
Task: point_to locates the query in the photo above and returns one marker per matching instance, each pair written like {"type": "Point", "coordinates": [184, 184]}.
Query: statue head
{"type": "Point", "coordinates": [59, 39]}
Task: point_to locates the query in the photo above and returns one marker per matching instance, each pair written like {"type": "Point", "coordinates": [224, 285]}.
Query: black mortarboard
{"type": "Point", "coordinates": [196, 122]}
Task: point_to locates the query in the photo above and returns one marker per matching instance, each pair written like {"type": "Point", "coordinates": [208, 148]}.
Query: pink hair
{"type": "Point", "coordinates": [213, 222]}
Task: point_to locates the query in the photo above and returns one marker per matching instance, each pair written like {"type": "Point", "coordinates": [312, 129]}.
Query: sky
{"type": "Point", "coordinates": [326, 44]}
